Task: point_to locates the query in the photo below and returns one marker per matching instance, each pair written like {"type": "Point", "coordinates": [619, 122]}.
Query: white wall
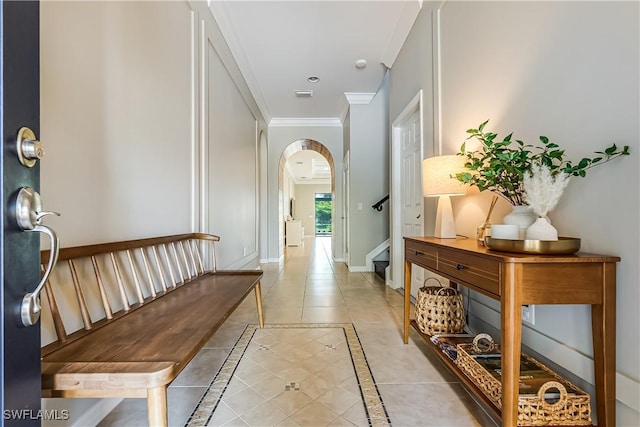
{"type": "Point", "coordinates": [263, 200]}
{"type": "Point", "coordinates": [116, 119]}
{"type": "Point", "coordinates": [232, 171]}
{"type": "Point", "coordinates": [280, 137]}
{"type": "Point", "coordinates": [369, 176]}
{"type": "Point", "coordinates": [413, 71]}
{"type": "Point", "coordinates": [138, 140]}
{"type": "Point", "coordinates": [229, 129]}
{"type": "Point", "coordinates": [118, 157]}
{"type": "Point", "coordinates": [567, 70]}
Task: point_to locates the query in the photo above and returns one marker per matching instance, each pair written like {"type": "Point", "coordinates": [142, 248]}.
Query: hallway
{"type": "Point", "coordinates": [309, 287]}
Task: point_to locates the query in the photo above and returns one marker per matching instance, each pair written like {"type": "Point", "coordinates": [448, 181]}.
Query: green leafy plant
{"type": "Point", "coordinates": [499, 166]}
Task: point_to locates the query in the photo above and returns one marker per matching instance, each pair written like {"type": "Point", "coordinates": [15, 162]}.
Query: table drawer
{"type": "Point", "coordinates": [420, 254]}
{"type": "Point", "coordinates": [474, 270]}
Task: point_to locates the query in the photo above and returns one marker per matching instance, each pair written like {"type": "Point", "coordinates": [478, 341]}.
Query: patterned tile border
{"type": "Point", "coordinates": [374, 407]}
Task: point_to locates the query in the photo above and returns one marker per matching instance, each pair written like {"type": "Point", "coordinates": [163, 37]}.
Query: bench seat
{"type": "Point", "coordinates": [141, 350]}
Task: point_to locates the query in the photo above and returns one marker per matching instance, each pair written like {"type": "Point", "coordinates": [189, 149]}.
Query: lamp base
{"type": "Point", "coordinates": [445, 227]}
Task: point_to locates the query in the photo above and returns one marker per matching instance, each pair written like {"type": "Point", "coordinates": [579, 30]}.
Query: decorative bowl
{"type": "Point", "coordinates": [562, 246]}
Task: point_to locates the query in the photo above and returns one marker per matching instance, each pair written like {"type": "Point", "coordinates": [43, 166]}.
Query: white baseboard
{"type": "Point", "coordinates": [388, 281]}
{"type": "Point", "coordinates": [242, 262]}
{"type": "Point", "coordinates": [628, 391]}
{"type": "Point", "coordinates": [392, 285]}
{"type": "Point", "coordinates": [359, 269]}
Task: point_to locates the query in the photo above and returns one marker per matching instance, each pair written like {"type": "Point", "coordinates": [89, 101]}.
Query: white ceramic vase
{"type": "Point", "coordinates": [522, 216]}
{"type": "Point", "coordinates": [542, 230]}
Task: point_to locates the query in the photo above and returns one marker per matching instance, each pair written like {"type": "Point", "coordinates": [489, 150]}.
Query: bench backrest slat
{"type": "Point", "coordinates": [55, 312]}
{"type": "Point", "coordinates": [193, 261]}
{"type": "Point", "coordinates": [160, 271]}
{"type": "Point", "coordinates": [177, 260]}
{"type": "Point", "coordinates": [145, 260]}
{"type": "Point", "coordinates": [199, 258]}
{"type": "Point", "coordinates": [101, 294]}
{"type": "Point", "coordinates": [136, 281]}
{"type": "Point", "coordinates": [123, 293]}
{"type": "Point", "coordinates": [82, 301]}
{"type": "Point", "coordinates": [186, 262]}
{"type": "Point", "coordinates": [173, 282]}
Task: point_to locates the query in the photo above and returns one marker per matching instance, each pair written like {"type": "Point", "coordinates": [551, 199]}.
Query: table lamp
{"type": "Point", "coordinates": [437, 181]}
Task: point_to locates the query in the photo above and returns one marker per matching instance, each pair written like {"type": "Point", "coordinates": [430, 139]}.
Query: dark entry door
{"type": "Point", "coordinates": [19, 250]}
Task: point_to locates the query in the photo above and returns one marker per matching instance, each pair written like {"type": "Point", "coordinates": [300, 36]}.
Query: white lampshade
{"type": "Point", "coordinates": [436, 176]}
{"type": "Point", "coordinates": [437, 181]}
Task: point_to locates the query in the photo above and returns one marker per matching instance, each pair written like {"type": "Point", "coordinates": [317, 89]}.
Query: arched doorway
{"type": "Point", "coordinates": [287, 200]}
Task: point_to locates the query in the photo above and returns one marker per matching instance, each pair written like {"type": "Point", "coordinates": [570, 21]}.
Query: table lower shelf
{"type": "Point", "coordinates": [492, 409]}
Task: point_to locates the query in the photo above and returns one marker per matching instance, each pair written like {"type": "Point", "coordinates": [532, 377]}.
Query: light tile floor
{"type": "Point", "coordinates": [416, 388]}
{"type": "Point", "coordinates": [294, 374]}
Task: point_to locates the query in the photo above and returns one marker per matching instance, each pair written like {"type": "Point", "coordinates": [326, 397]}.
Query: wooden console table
{"type": "Point", "coordinates": [518, 279]}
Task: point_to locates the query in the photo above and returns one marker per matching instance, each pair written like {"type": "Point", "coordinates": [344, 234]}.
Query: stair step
{"type": "Point", "coordinates": [379, 268]}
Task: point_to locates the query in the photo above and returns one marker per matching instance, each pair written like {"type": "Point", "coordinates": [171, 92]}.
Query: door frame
{"type": "Point", "coordinates": [396, 280]}
{"type": "Point", "coordinates": [345, 209]}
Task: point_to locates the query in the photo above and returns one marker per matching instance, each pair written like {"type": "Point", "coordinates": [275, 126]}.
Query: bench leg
{"type": "Point", "coordinates": [157, 406]}
{"type": "Point", "coordinates": [258, 291]}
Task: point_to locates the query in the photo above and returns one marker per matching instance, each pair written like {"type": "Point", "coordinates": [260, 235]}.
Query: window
{"type": "Point", "coordinates": [323, 209]}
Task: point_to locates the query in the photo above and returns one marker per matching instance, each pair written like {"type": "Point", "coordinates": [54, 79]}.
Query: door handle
{"type": "Point", "coordinates": [29, 214]}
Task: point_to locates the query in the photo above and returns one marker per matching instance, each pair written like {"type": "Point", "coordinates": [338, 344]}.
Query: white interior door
{"type": "Point", "coordinates": [412, 199]}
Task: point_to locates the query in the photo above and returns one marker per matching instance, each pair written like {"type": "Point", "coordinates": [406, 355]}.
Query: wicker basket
{"type": "Point", "coordinates": [439, 309]}
{"type": "Point", "coordinates": [572, 408]}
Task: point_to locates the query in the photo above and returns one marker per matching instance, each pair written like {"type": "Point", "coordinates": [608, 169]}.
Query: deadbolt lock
{"type": "Point", "coordinates": [29, 149]}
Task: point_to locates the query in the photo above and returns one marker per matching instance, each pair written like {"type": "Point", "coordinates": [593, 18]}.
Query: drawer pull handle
{"type": "Point", "coordinates": [460, 267]}
{"type": "Point", "coordinates": [419, 253]}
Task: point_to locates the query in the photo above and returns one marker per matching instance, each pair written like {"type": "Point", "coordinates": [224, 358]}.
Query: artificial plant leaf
{"type": "Point", "coordinates": [583, 163]}
{"type": "Point", "coordinates": [611, 150]}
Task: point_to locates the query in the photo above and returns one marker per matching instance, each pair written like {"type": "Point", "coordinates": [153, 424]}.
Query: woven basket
{"type": "Point", "coordinates": [573, 407]}
{"type": "Point", "coordinates": [439, 309]}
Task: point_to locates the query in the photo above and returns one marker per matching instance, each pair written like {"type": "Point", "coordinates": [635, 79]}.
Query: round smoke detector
{"type": "Point", "coordinates": [361, 63]}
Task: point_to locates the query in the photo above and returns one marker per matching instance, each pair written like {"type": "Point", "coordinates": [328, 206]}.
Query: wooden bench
{"type": "Point", "coordinates": [139, 311]}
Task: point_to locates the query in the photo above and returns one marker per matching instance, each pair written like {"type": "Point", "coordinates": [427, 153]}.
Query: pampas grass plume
{"type": "Point", "coordinates": [542, 190]}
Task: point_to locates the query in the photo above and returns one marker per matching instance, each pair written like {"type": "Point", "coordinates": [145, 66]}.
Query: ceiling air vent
{"type": "Point", "coordinates": [304, 93]}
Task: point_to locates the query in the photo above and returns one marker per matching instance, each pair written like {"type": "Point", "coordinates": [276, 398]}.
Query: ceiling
{"type": "Point", "coordinates": [279, 44]}
{"type": "Point", "coordinates": [309, 167]}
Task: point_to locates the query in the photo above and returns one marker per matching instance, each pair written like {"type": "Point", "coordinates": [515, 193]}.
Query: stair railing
{"type": "Point", "coordinates": [378, 206]}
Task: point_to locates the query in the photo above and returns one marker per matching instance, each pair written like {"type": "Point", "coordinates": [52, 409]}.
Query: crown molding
{"type": "Point", "coordinates": [304, 122]}
{"type": "Point", "coordinates": [406, 20]}
{"type": "Point", "coordinates": [345, 110]}
{"type": "Point", "coordinates": [359, 98]}
{"type": "Point", "coordinates": [218, 11]}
